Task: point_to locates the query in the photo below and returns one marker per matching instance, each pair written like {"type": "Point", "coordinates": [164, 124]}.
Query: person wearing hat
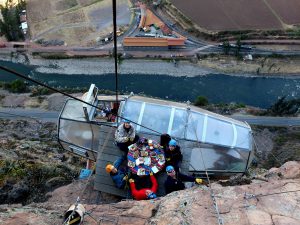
{"type": "Point", "coordinates": [173, 155]}
{"type": "Point", "coordinates": [144, 193]}
{"type": "Point", "coordinates": [118, 175]}
{"type": "Point", "coordinates": [175, 180]}
{"type": "Point", "coordinates": [125, 135]}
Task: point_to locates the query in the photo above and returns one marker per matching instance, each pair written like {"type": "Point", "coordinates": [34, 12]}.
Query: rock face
{"type": "Point", "coordinates": [31, 161]}
{"type": "Point", "coordinates": [274, 201]}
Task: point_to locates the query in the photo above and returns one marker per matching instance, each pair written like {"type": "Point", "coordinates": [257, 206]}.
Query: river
{"type": "Point", "coordinates": [218, 88]}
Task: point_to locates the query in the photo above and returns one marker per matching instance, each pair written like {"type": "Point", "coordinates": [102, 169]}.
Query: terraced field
{"type": "Point", "coordinates": [220, 15]}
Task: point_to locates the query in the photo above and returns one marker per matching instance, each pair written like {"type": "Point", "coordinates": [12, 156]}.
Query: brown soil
{"type": "Point", "coordinates": [217, 15]}
{"type": "Point", "coordinates": [287, 10]}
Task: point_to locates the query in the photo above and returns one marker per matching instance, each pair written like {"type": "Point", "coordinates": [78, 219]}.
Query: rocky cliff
{"type": "Point", "coordinates": [32, 166]}
{"type": "Point", "coordinates": [272, 199]}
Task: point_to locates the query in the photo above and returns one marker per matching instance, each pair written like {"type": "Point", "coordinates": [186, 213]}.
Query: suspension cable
{"type": "Point", "coordinates": [114, 9]}
{"type": "Point", "coordinates": [70, 96]}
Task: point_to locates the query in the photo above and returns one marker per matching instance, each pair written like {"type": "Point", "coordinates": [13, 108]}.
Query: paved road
{"type": "Point", "coordinates": [269, 121]}
{"type": "Point", "coordinates": [52, 116]}
{"type": "Point", "coordinates": [34, 114]}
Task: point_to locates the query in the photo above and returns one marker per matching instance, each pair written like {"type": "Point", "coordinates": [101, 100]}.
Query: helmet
{"type": "Point", "coordinates": [109, 168]}
{"type": "Point", "coordinates": [172, 143]}
{"type": "Point", "coordinates": [152, 196]}
{"type": "Point", "coordinates": [169, 168]}
{"type": "Point", "coordinates": [126, 121]}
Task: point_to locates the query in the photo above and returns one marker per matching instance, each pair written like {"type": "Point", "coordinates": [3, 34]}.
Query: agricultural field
{"type": "Point", "coordinates": [230, 15]}
{"type": "Point", "coordinates": [74, 22]}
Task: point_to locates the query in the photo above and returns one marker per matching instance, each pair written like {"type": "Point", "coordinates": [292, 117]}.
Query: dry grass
{"type": "Point", "coordinates": [73, 21]}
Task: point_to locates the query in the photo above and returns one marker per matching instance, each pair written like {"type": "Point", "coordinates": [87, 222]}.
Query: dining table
{"type": "Point", "coordinates": [146, 156]}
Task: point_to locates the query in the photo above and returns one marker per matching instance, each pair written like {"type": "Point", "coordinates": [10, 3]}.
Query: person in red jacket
{"type": "Point", "coordinates": [144, 193]}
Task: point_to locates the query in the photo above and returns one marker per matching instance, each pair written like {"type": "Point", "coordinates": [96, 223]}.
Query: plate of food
{"type": "Point", "coordinates": [131, 164]}
{"type": "Point", "coordinates": [132, 147]}
{"type": "Point", "coordinates": [139, 161]}
{"type": "Point", "coordinates": [136, 154]}
{"type": "Point", "coordinates": [141, 172]}
{"type": "Point", "coordinates": [161, 157]}
{"type": "Point", "coordinates": [147, 161]}
{"type": "Point", "coordinates": [144, 153]}
{"type": "Point", "coordinates": [153, 154]}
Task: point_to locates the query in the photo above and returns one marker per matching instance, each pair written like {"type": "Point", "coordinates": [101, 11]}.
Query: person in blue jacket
{"type": "Point", "coordinates": [175, 180]}
{"type": "Point", "coordinates": [118, 175]}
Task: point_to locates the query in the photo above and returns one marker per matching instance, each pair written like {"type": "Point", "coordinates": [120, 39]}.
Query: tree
{"type": "Point", "coordinates": [226, 47]}
{"type": "Point", "coordinates": [10, 26]}
{"type": "Point", "coordinates": [238, 46]}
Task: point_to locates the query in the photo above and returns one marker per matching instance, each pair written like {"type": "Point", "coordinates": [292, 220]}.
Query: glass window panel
{"type": "Point", "coordinates": [156, 117]}
{"type": "Point", "coordinates": [74, 110]}
{"type": "Point", "coordinates": [219, 132]}
{"type": "Point", "coordinates": [131, 110]}
{"type": "Point", "coordinates": [80, 134]}
{"type": "Point", "coordinates": [195, 126]}
{"type": "Point", "coordinates": [179, 122]}
{"type": "Point", "coordinates": [218, 158]}
{"type": "Point", "coordinates": [243, 138]}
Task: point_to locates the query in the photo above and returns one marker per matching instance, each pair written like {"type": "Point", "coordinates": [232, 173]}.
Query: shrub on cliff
{"type": "Point", "coordinates": [16, 86]}
{"type": "Point", "coordinates": [284, 107]}
{"type": "Point", "coordinates": [201, 101]}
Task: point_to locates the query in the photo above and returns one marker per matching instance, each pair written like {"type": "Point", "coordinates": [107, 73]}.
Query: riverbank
{"type": "Point", "coordinates": [260, 66]}
{"type": "Point", "coordinates": [288, 67]}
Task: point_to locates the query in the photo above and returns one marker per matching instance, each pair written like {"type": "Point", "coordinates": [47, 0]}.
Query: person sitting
{"type": "Point", "coordinates": [175, 180]}
{"type": "Point", "coordinates": [173, 155]}
{"type": "Point", "coordinates": [118, 175]}
{"type": "Point", "coordinates": [125, 135]}
{"type": "Point", "coordinates": [164, 141]}
{"type": "Point", "coordinates": [111, 115]}
{"type": "Point", "coordinates": [144, 193]}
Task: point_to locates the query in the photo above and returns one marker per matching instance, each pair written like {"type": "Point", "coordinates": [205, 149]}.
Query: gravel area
{"type": "Point", "coordinates": [102, 66]}
{"type": "Point", "coordinates": [106, 66]}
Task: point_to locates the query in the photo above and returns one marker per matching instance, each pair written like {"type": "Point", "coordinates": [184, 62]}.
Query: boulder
{"type": "Point", "coordinates": [289, 170]}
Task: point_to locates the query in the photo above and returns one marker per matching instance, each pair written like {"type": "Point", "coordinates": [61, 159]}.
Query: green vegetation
{"type": "Point", "coordinates": [201, 101]}
{"type": "Point", "coordinates": [11, 169]}
{"type": "Point", "coordinates": [226, 47]}
{"type": "Point", "coordinates": [284, 107]}
{"type": "Point", "coordinates": [36, 174]}
{"type": "Point", "coordinates": [238, 47]}
{"type": "Point", "coordinates": [10, 26]}
{"type": "Point", "coordinates": [16, 86]}
{"type": "Point", "coordinates": [38, 90]}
